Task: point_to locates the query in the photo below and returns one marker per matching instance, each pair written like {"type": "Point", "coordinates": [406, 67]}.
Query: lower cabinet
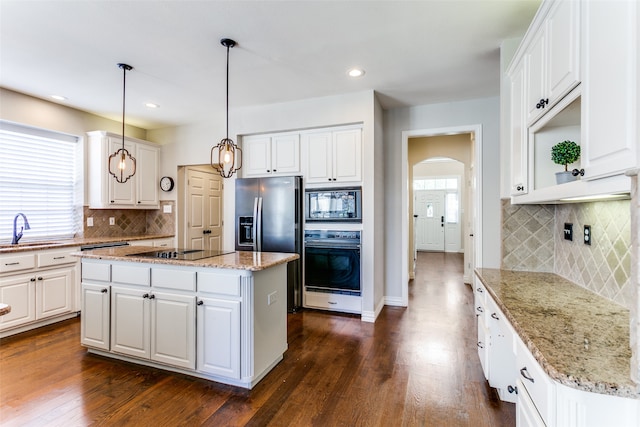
{"type": "Point", "coordinates": [218, 324]}
{"type": "Point", "coordinates": [40, 293]}
{"type": "Point", "coordinates": [96, 315]}
{"type": "Point", "coordinates": [153, 325]}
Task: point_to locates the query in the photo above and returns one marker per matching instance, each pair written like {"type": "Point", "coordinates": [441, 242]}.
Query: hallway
{"type": "Point", "coordinates": [415, 366]}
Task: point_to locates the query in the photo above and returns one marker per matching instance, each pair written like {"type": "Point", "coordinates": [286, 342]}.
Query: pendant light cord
{"type": "Point", "coordinates": [228, 46]}
{"type": "Point", "coordinates": [124, 88]}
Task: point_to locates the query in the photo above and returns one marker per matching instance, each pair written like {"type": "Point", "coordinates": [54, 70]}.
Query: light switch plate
{"type": "Point", "coordinates": [568, 231]}
{"type": "Point", "coordinates": [112, 220]}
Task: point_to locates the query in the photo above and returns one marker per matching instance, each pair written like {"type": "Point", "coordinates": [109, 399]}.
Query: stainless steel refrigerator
{"type": "Point", "coordinates": [269, 218]}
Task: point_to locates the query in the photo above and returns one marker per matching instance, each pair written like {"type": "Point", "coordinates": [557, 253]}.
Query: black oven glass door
{"type": "Point", "coordinates": [332, 269]}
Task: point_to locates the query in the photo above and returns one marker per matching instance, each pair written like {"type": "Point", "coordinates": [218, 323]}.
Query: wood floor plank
{"type": "Point", "coordinates": [416, 366]}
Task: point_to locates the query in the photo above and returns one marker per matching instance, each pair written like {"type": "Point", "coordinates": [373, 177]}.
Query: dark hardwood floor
{"type": "Point", "coordinates": [415, 366]}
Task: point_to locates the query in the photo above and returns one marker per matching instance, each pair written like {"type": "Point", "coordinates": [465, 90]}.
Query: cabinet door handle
{"type": "Point", "coordinates": [480, 345]}
{"type": "Point", "coordinates": [145, 296]}
{"type": "Point", "coordinates": [275, 170]}
{"type": "Point", "coordinates": [40, 278]}
{"type": "Point", "coordinates": [480, 309]}
{"type": "Point", "coordinates": [512, 389]}
{"type": "Point", "coordinates": [332, 302]}
{"type": "Point", "coordinates": [542, 103]}
{"type": "Point", "coordinates": [104, 290]}
{"type": "Point", "coordinates": [520, 187]}
{"type": "Point", "coordinates": [479, 289]}
{"type": "Point", "coordinates": [577, 172]}
{"type": "Point", "coordinates": [33, 279]}
{"type": "Point", "coordinates": [526, 375]}
{"type": "Point", "coordinates": [200, 302]}
{"type": "Point", "coordinates": [12, 263]}
{"type": "Point", "coordinates": [58, 257]}
{"type": "Point", "coordinates": [495, 316]}
{"type": "Point", "coordinates": [152, 296]}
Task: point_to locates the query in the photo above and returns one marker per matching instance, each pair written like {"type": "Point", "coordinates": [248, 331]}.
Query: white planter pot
{"type": "Point", "coordinates": [563, 177]}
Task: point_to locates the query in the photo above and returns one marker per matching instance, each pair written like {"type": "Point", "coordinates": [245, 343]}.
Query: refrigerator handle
{"type": "Point", "coordinates": [254, 233]}
{"type": "Point", "coordinates": [258, 239]}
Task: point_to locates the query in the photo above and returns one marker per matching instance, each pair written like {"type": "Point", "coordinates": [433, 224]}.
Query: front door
{"type": "Point", "coordinates": [429, 208]}
{"type": "Point", "coordinates": [203, 210]}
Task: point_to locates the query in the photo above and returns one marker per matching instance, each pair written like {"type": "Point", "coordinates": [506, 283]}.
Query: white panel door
{"type": "Point", "coordinates": [218, 325]}
{"type": "Point", "coordinates": [54, 292]}
{"type": "Point", "coordinates": [20, 293]}
{"type": "Point", "coordinates": [347, 155]}
{"type": "Point", "coordinates": [130, 321]}
{"type": "Point", "coordinates": [94, 327]}
{"type": "Point", "coordinates": [429, 206]}
{"type": "Point", "coordinates": [173, 329]}
{"type": "Point", "coordinates": [204, 210]}
{"type": "Point", "coordinates": [285, 154]}
{"type": "Point", "coordinates": [256, 152]}
{"type": "Point", "coordinates": [318, 158]}
{"type": "Point", "coordinates": [147, 159]}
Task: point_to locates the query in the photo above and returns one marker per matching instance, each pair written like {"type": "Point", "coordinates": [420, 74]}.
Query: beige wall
{"type": "Point", "coordinates": [457, 147]}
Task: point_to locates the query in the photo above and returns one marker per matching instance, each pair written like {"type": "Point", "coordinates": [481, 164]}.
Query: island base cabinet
{"type": "Point", "coordinates": [218, 324]}
{"type": "Point", "coordinates": [153, 325]}
{"type": "Point", "coordinates": [526, 413]}
{"type": "Point", "coordinates": [96, 307]}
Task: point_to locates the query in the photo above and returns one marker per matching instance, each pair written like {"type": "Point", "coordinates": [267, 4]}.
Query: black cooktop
{"type": "Point", "coordinates": [181, 254]}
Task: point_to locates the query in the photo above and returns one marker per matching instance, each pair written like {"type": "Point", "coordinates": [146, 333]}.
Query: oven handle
{"type": "Point", "coordinates": [332, 246]}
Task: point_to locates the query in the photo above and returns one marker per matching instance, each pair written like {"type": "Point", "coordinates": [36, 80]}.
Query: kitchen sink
{"type": "Point", "coordinates": [29, 244]}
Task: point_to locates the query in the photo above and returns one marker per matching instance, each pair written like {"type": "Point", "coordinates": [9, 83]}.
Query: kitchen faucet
{"type": "Point", "coordinates": [17, 236]}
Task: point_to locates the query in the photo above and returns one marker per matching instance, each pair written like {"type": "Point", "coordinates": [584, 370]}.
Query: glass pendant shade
{"type": "Point", "coordinates": [226, 157]}
{"type": "Point", "coordinates": [122, 165]}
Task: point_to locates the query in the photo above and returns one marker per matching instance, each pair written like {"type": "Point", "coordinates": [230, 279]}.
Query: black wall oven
{"type": "Point", "coordinates": [332, 261]}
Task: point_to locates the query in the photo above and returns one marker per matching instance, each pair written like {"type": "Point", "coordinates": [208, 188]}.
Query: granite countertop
{"type": "Point", "coordinates": [62, 243]}
{"type": "Point", "coordinates": [241, 260]}
{"type": "Point", "coordinates": [579, 338]}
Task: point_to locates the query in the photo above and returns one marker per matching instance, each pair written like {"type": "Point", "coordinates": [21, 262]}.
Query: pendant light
{"type": "Point", "coordinates": [226, 157]}
{"type": "Point", "coordinates": [122, 165]}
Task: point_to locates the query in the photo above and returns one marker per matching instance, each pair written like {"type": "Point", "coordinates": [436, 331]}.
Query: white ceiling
{"type": "Point", "coordinates": [414, 52]}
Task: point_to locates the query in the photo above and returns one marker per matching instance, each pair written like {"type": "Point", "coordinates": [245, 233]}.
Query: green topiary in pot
{"type": "Point", "coordinates": [565, 153]}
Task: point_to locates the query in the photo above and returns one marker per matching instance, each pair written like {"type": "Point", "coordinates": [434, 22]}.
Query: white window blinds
{"type": "Point", "coordinates": [39, 173]}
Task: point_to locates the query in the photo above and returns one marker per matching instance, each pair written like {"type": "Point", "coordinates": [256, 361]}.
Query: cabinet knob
{"type": "Point", "coordinates": [542, 103]}
{"type": "Point", "coordinates": [104, 290]}
{"type": "Point", "coordinates": [268, 170]}
{"type": "Point", "coordinates": [479, 290]}
{"type": "Point", "coordinates": [495, 316]}
{"type": "Point", "coordinates": [520, 188]}
{"type": "Point", "coordinates": [480, 309]}
{"type": "Point", "coordinates": [138, 201]}
{"type": "Point", "coordinates": [112, 201]}
{"type": "Point", "coordinates": [512, 389]}
{"type": "Point", "coordinates": [145, 296]}
{"type": "Point", "coordinates": [152, 296]}
{"type": "Point", "coordinates": [577, 172]}
{"type": "Point", "coordinates": [275, 170]}
{"type": "Point", "coordinates": [480, 345]}
{"type": "Point", "coordinates": [200, 302]}
{"type": "Point", "coordinates": [40, 278]}
{"type": "Point", "coordinates": [33, 279]}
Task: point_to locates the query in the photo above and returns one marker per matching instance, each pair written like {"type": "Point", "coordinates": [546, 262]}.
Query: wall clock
{"type": "Point", "coordinates": [166, 183]}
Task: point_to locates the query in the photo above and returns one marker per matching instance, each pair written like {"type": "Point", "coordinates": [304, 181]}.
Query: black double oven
{"type": "Point", "coordinates": [332, 256]}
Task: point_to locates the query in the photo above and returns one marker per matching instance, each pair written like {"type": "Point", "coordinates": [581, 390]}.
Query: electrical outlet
{"type": "Point", "coordinates": [90, 221]}
{"type": "Point", "coordinates": [166, 208]}
{"type": "Point", "coordinates": [587, 235]}
{"type": "Point", "coordinates": [568, 231]}
{"type": "Point", "coordinates": [112, 220]}
{"type": "Point", "coordinates": [272, 298]}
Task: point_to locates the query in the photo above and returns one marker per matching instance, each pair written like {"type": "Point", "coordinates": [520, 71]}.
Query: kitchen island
{"type": "Point", "coordinates": [221, 318]}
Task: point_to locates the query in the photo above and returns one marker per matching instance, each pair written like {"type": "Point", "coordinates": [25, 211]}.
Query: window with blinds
{"type": "Point", "coordinates": [40, 176]}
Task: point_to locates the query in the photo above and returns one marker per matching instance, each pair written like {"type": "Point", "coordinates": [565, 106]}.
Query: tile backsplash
{"type": "Point", "coordinates": [130, 222]}
{"type": "Point", "coordinates": [533, 240]}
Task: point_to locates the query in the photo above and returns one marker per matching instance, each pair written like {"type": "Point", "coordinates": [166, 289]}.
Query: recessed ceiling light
{"type": "Point", "coordinates": [59, 97]}
{"type": "Point", "coordinates": [151, 105]}
{"type": "Point", "coordinates": [355, 72]}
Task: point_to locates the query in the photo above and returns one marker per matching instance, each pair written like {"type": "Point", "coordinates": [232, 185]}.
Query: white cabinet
{"type": "Point", "coordinates": [502, 360]}
{"type": "Point", "coordinates": [219, 337]}
{"type": "Point", "coordinates": [518, 134]}
{"type": "Point", "coordinates": [140, 191]}
{"type": "Point", "coordinates": [266, 155]}
{"type": "Point", "coordinates": [40, 287]}
{"type": "Point", "coordinates": [552, 58]}
{"type": "Point", "coordinates": [333, 156]}
{"type": "Point", "coordinates": [96, 315]}
{"type": "Point", "coordinates": [153, 325]}
{"type": "Point", "coordinates": [610, 93]}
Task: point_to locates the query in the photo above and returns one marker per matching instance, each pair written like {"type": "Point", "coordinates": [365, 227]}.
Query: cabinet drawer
{"type": "Point", "coordinates": [173, 279]}
{"type": "Point", "coordinates": [96, 271]}
{"type": "Point", "coordinates": [131, 274]}
{"type": "Point", "coordinates": [335, 302]}
{"type": "Point", "coordinates": [539, 386]}
{"type": "Point", "coordinates": [17, 262]}
{"type": "Point", "coordinates": [48, 258]}
{"type": "Point", "coordinates": [216, 283]}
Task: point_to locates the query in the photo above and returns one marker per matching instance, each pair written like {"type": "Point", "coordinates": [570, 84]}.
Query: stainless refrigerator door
{"type": "Point", "coordinates": [247, 193]}
{"type": "Point", "coordinates": [279, 220]}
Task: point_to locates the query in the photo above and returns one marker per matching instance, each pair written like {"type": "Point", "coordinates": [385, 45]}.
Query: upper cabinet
{"type": "Point", "coordinates": [574, 77]}
{"type": "Point", "coordinates": [553, 59]}
{"type": "Point", "coordinates": [140, 191]}
{"type": "Point", "coordinates": [266, 155]}
{"type": "Point", "coordinates": [333, 156]}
